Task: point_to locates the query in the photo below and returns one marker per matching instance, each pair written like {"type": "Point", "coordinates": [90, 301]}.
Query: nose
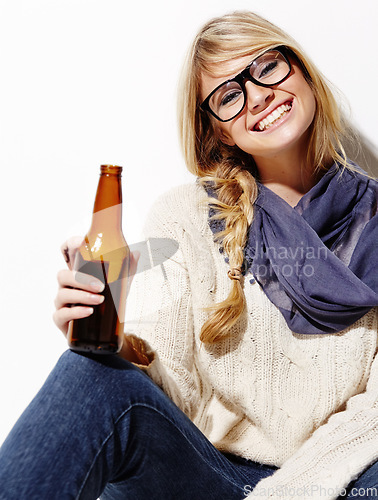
{"type": "Point", "coordinates": [258, 98]}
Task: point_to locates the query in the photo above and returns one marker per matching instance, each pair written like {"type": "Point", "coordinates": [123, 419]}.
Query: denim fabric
{"type": "Point", "coordinates": [365, 487]}
{"type": "Point", "coordinates": [100, 426]}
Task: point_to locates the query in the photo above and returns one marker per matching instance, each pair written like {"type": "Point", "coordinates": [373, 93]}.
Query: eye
{"type": "Point", "coordinates": [267, 69]}
{"type": "Point", "coordinates": [230, 97]}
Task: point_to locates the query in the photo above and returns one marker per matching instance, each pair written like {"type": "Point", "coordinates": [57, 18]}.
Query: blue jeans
{"type": "Point", "coordinates": [100, 427]}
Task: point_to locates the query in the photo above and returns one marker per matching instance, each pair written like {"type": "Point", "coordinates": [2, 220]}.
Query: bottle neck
{"type": "Point", "coordinates": [107, 210]}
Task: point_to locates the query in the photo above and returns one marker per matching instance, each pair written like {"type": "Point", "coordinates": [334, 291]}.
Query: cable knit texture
{"type": "Point", "coordinates": [305, 403]}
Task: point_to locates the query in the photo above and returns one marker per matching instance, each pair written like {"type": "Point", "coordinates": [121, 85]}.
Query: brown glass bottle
{"type": "Point", "coordinates": [104, 254]}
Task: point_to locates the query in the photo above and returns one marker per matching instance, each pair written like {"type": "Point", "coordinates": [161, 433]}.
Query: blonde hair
{"type": "Point", "coordinates": [229, 169]}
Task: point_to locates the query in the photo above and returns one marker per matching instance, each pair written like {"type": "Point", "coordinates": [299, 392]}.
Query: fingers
{"type": "Point", "coordinates": [63, 316]}
{"type": "Point", "coordinates": [72, 296]}
{"type": "Point", "coordinates": [78, 288]}
{"type": "Point", "coordinates": [76, 279]}
{"type": "Point", "coordinates": [69, 249]}
{"type": "Point", "coordinates": [77, 294]}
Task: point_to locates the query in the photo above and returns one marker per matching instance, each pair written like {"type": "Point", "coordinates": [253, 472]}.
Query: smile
{"type": "Point", "coordinates": [273, 117]}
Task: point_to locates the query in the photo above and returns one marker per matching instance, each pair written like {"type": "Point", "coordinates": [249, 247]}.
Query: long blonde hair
{"type": "Point", "coordinates": [230, 170]}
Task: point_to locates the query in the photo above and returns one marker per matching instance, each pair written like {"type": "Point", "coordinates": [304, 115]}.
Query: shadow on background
{"type": "Point", "coordinates": [363, 152]}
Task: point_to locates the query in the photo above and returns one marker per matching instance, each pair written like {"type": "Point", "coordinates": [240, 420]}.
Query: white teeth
{"type": "Point", "coordinates": [273, 116]}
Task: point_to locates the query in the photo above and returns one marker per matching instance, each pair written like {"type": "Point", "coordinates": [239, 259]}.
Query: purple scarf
{"type": "Point", "coordinates": [317, 262]}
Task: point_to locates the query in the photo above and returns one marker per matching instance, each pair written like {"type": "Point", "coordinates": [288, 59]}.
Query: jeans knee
{"type": "Point", "coordinates": [110, 377]}
{"type": "Point", "coordinates": [95, 368]}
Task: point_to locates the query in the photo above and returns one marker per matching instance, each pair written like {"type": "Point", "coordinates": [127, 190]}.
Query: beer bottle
{"type": "Point", "coordinates": [104, 254]}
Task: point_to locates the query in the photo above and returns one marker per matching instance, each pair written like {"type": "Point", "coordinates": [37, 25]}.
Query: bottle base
{"type": "Point", "coordinates": [102, 349]}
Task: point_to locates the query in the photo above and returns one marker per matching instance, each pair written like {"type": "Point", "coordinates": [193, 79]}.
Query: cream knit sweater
{"type": "Point", "coordinates": [305, 403]}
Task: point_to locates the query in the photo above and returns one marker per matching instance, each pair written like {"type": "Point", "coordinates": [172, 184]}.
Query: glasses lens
{"type": "Point", "coordinates": [270, 68]}
{"type": "Point", "coordinates": [227, 101]}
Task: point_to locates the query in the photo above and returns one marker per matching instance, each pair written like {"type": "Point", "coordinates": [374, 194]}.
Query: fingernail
{"type": "Point", "coordinates": [97, 286]}
{"type": "Point", "coordinates": [97, 298]}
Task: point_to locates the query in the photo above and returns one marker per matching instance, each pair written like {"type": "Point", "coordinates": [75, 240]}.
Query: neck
{"type": "Point", "coordinates": [287, 175]}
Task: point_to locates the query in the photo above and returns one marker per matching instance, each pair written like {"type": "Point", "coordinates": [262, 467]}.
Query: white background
{"type": "Point", "coordinates": [86, 82]}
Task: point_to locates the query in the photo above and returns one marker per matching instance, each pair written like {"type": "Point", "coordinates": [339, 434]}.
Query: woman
{"type": "Point", "coordinates": [266, 338]}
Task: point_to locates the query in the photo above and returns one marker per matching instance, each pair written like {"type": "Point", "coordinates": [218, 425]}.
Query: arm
{"type": "Point", "coordinates": [337, 452]}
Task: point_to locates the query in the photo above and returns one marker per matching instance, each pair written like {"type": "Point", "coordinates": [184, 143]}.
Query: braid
{"type": "Point", "coordinates": [236, 192]}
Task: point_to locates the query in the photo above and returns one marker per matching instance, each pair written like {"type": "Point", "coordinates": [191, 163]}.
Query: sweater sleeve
{"type": "Point", "coordinates": [159, 309]}
{"type": "Point", "coordinates": [336, 453]}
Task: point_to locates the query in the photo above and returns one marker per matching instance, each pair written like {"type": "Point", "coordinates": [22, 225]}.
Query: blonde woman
{"type": "Point", "coordinates": [261, 330]}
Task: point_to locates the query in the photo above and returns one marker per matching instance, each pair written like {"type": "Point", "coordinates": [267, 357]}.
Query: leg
{"type": "Point", "coordinates": [103, 424]}
{"type": "Point", "coordinates": [169, 458]}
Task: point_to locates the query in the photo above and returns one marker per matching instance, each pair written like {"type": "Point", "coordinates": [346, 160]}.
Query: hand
{"type": "Point", "coordinates": [79, 288]}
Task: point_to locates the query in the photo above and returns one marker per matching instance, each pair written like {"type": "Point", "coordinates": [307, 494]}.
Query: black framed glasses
{"type": "Point", "coordinates": [227, 100]}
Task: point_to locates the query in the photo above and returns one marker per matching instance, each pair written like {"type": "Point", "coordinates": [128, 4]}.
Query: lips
{"type": "Point", "coordinates": [273, 117]}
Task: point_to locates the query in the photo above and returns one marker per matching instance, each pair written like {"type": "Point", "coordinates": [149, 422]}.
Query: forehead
{"type": "Point", "coordinates": [220, 72]}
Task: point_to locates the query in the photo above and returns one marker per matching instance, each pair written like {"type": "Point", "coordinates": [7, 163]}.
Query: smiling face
{"type": "Point", "coordinates": [274, 120]}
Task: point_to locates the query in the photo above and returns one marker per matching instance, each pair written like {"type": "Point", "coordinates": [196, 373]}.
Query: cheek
{"type": "Point", "coordinates": [306, 95]}
{"type": "Point", "coordinates": [310, 112]}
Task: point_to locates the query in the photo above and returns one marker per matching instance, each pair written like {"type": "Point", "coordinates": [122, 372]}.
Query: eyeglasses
{"type": "Point", "coordinates": [228, 100]}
